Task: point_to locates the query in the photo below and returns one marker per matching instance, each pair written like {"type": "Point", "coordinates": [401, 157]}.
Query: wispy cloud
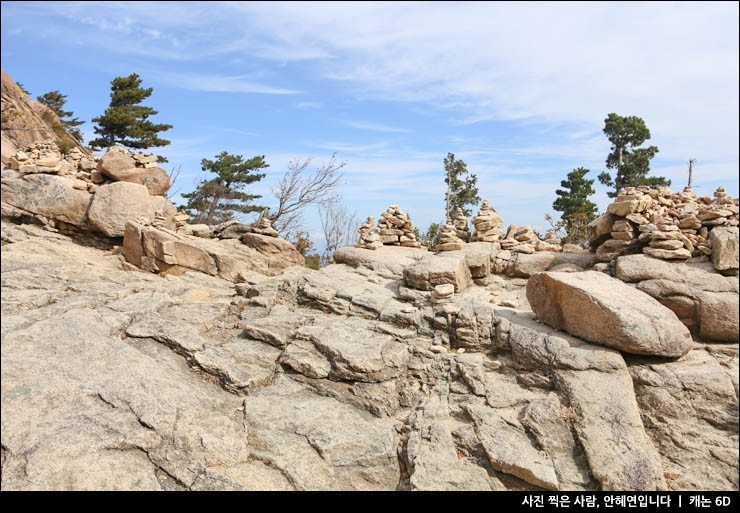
{"type": "Point", "coordinates": [220, 83]}
{"type": "Point", "coordinates": [375, 127]}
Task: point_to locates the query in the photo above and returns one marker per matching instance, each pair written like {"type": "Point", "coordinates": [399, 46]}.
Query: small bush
{"type": "Point", "coordinates": [64, 145]}
{"type": "Point", "coordinates": [312, 261]}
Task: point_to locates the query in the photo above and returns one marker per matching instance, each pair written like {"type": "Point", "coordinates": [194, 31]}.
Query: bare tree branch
{"type": "Point", "coordinates": [174, 175]}
{"type": "Point", "coordinates": [297, 190]}
{"type": "Point", "coordinates": [339, 226]}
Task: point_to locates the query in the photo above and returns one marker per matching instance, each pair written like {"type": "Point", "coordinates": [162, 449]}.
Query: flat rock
{"type": "Point", "coordinates": [605, 311]}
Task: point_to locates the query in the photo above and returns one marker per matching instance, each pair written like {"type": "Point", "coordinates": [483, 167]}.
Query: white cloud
{"type": "Point", "coordinates": [375, 127]}
{"type": "Point", "coordinates": [219, 83]}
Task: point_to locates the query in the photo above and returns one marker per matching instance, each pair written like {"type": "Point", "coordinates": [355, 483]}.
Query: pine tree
{"type": "Point", "coordinates": [125, 121]}
{"type": "Point", "coordinates": [632, 164]}
{"type": "Point", "coordinates": [220, 198]}
{"type": "Point", "coordinates": [56, 102]}
{"type": "Point", "coordinates": [462, 190]}
{"type": "Point", "coordinates": [577, 210]}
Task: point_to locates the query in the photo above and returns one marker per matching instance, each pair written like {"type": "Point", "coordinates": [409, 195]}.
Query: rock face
{"type": "Point", "coordinates": [122, 165]}
{"type": "Point", "coordinates": [25, 122]}
{"type": "Point", "coordinates": [345, 378]}
{"type": "Point", "coordinates": [602, 310]}
{"type": "Point", "coordinates": [116, 204]}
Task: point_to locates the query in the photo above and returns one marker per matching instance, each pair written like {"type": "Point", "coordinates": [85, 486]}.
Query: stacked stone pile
{"type": "Point", "coordinates": [397, 229]}
{"type": "Point", "coordinates": [369, 237]}
{"type": "Point", "coordinates": [487, 224]}
{"type": "Point", "coordinates": [460, 222]}
{"type": "Point", "coordinates": [45, 157]}
{"type": "Point", "coordinates": [448, 239]}
{"type": "Point", "coordinates": [263, 226]}
{"type": "Point", "coordinates": [522, 239]}
{"type": "Point", "coordinates": [662, 224]}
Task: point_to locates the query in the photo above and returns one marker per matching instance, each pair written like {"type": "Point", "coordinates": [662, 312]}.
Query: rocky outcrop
{"type": "Point", "coordinates": [161, 250]}
{"type": "Point", "coordinates": [25, 122]}
{"type": "Point", "coordinates": [605, 311]}
{"type": "Point", "coordinates": [343, 378]}
{"type": "Point", "coordinates": [279, 253]}
{"type": "Point", "coordinates": [63, 191]}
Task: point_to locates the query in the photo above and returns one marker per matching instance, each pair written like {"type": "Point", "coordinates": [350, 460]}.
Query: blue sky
{"type": "Point", "coordinates": [517, 90]}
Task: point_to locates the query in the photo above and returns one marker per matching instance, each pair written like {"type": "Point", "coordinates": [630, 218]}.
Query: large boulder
{"type": "Point", "coordinates": [120, 165]}
{"type": "Point", "coordinates": [703, 300]}
{"type": "Point", "coordinates": [433, 270]}
{"type": "Point", "coordinates": [51, 196]}
{"type": "Point", "coordinates": [605, 311]}
{"type": "Point", "coordinates": [527, 265]}
{"type": "Point", "coordinates": [280, 253]}
{"type": "Point", "coordinates": [386, 260]}
{"type": "Point", "coordinates": [725, 248]}
{"type": "Point", "coordinates": [117, 203]}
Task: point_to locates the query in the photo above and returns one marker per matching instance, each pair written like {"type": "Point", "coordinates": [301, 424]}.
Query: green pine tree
{"type": "Point", "coordinates": [462, 187]}
{"type": "Point", "coordinates": [125, 121]}
{"type": "Point", "coordinates": [632, 164]}
{"type": "Point", "coordinates": [577, 210]}
{"type": "Point", "coordinates": [56, 102]}
{"type": "Point", "coordinates": [218, 199]}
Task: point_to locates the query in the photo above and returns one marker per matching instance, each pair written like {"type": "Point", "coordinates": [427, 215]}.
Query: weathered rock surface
{"type": "Point", "coordinates": [51, 196]}
{"type": "Point", "coordinates": [434, 270]}
{"type": "Point", "coordinates": [705, 301]}
{"type": "Point", "coordinates": [605, 311]}
{"type": "Point", "coordinates": [116, 204]}
{"type": "Point", "coordinates": [725, 249]}
{"type": "Point", "coordinates": [339, 379]}
{"type": "Point", "coordinates": [25, 121]}
{"type": "Point", "coordinates": [278, 252]}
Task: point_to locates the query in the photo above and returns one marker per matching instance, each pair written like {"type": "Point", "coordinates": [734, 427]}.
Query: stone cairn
{"type": "Point", "coordinates": [660, 223]}
{"type": "Point", "coordinates": [448, 239]}
{"type": "Point", "coordinates": [263, 226]}
{"type": "Point", "coordinates": [396, 228]}
{"type": "Point", "coordinates": [369, 237]}
{"type": "Point", "coordinates": [487, 224]}
{"type": "Point", "coordinates": [460, 222]}
{"type": "Point", "coordinates": [45, 157]}
{"type": "Point", "coordinates": [522, 239]}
